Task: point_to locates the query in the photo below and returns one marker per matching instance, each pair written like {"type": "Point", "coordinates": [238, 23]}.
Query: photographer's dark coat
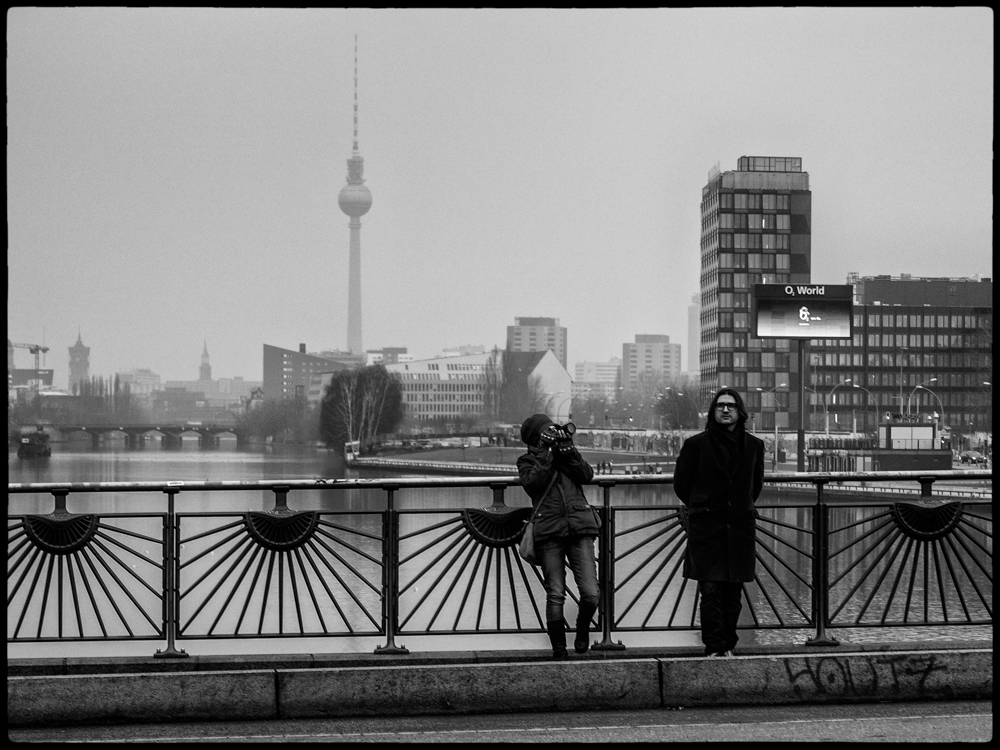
{"type": "Point", "coordinates": [718, 477]}
{"type": "Point", "coordinates": [564, 510]}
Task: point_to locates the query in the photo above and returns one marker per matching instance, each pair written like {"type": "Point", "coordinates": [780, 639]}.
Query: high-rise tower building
{"type": "Point", "coordinates": [755, 229]}
{"type": "Point", "coordinates": [538, 335]}
{"type": "Point", "coordinates": [355, 200]}
{"type": "Point", "coordinates": [79, 363]}
{"type": "Point", "coordinates": [205, 370]}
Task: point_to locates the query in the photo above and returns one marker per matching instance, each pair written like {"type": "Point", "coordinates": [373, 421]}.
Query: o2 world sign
{"type": "Point", "coordinates": [803, 311]}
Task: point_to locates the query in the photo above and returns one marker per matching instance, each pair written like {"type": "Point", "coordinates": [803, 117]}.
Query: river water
{"type": "Point", "coordinates": [74, 462]}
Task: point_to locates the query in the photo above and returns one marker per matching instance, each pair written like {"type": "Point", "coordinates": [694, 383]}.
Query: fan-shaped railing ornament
{"type": "Point", "coordinates": [926, 522]}
{"type": "Point", "coordinates": [281, 531]}
{"type": "Point", "coordinates": [496, 527]}
{"type": "Point", "coordinates": [61, 534]}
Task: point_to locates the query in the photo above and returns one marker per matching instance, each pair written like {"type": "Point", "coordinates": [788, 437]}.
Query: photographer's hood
{"type": "Point", "coordinates": [532, 428]}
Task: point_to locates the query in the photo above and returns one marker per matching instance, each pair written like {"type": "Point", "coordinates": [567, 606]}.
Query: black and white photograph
{"type": "Point", "coordinates": [500, 374]}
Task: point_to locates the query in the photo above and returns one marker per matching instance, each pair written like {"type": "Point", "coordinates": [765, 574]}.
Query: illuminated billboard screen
{"type": "Point", "coordinates": [803, 311]}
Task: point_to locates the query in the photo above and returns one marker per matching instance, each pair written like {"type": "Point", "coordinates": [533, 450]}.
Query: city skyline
{"type": "Point", "coordinates": [173, 173]}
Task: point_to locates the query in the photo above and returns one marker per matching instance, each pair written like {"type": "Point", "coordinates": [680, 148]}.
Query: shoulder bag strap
{"type": "Point", "coordinates": [555, 475]}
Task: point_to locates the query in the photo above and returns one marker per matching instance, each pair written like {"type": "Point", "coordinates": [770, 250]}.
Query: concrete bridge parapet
{"type": "Point", "coordinates": [139, 690]}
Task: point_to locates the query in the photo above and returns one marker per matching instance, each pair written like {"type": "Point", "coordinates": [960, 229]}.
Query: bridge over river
{"type": "Point", "coordinates": [136, 434]}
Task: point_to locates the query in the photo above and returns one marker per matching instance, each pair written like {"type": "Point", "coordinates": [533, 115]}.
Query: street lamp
{"type": "Point", "coordinates": [693, 403]}
{"type": "Point", "coordinates": [919, 385]}
{"type": "Point", "coordinates": [558, 408]}
{"type": "Point", "coordinates": [832, 391]}
{"type": "Point", "coordinates": [549, 399]}
{"type": "Point", "coordinates": [823, 402]}
{"type": "Point", "coordinates": [764, 393]}
{"type": "Point", "coordinates": [874, 400]}
{"type": "Point", "coordinates": [940, 405]}
{"type": "Point", "coordinates": [900, 355]}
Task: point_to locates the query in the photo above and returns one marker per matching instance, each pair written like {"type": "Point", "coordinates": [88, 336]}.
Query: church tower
{"type": "Point", "coordinates": [355, 200]}
{"type": "Point", "coordinates": [79, 364]}
{"type": "Point", "coordinates": [205, 371]}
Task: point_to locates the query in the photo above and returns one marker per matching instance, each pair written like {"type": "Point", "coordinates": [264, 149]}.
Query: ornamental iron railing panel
{"type": "Point", "coordinates": [85, 577]}
{"type": "Point", "coordinates": [652, 594]}
{"type": "Point", "coordinates": [460, 572]}
{"type": "Point", "coordinates": [280, 573]}
{"type": "Point", "coordinates": [911, 563]}
{"type": "Point", "coordinates": [853, 557]}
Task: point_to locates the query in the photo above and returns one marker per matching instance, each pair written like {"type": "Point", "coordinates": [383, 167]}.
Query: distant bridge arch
{"type": "Point", "coordinates": [208, 433]}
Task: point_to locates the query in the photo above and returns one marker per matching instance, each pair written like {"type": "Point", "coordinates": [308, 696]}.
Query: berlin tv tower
{"type": "Point", "coordinates": [355, 200]}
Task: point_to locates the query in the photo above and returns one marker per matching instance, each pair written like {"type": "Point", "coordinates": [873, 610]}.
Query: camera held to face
{"type": "Point", "coordinates": [558, 437]}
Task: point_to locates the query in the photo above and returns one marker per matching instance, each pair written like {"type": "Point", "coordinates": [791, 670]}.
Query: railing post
{"type": "Point", "coordinates": [925, 486]}
{"type": "Point", "coordinates": [59, 508]}
{"type": "Point", "coordinates": [498, 501]}
{"type": "Point", "coordinates": [281, 500]}
{"type": "Point", "coordinates": [821, 593]}
{"type": "Point", "coordinates": [606, 572]}
{"type": "Point", "coordinates": [390, 575]}
{"type": "Point", "coordinates": [171, 578]}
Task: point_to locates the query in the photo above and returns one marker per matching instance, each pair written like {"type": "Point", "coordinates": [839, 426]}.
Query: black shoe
{"type": "Point", "coordinates": [557, 637]}
{"type": "Point", "coordinates": [582, 641]}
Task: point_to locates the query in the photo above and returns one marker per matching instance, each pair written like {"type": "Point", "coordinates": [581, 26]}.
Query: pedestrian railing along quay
{"type": "Point", "coordinates": [364, 562]}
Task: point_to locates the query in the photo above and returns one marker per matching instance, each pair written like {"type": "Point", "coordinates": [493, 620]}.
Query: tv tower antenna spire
{"type": "Point", "coordinates": [354, 200]}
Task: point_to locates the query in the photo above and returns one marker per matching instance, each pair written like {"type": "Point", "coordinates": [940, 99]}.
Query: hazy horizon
{"type": "Point", "coordinates": [172, 173]}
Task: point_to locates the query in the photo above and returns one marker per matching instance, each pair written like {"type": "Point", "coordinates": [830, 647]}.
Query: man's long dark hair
{"type": "Point", "coordinates": [741, 409]}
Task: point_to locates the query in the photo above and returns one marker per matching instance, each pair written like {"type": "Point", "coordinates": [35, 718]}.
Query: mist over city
{"type": "Point", "coordinates": [174, 174]}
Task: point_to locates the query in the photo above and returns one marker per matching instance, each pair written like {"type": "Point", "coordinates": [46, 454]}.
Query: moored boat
{"type": "Point", "coordinates": [34, 445]}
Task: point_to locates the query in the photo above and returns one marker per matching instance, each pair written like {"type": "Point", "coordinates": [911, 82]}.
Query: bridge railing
{"type": "Point", "coordinates": [833, 551]}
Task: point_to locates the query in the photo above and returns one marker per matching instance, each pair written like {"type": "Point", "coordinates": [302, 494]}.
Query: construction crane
{"type": "Point", "coordinates": [35, 349]}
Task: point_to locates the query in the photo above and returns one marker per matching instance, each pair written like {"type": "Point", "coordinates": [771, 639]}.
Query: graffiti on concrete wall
{"type": "Point", "coordinates": [843, 676]}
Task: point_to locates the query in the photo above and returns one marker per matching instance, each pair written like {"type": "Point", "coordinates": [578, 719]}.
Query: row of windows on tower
{"type": "Point", "coordinates": [730, 280]}
{"type": "Point", "coordinates": [746, 202]}
{"type": "Point", "coordinates": [779, 261]}
{"type": "Point", "coordinates": [932, 360]}
{"type": "Point", "coordinates": [779, 222]}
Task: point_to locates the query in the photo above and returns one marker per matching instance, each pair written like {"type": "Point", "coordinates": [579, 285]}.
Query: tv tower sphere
{"type": "Point", "coordinates": [354, 199]}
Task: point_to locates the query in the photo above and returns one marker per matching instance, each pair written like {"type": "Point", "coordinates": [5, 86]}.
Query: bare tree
{"type": "Point", "coordinates": [492, 385]}
{"type": "Point", "coordinates": [359, 405]}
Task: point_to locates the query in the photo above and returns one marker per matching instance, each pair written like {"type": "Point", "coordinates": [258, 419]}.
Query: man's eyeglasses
{"type": "Point", "coordinates": [726, 407]}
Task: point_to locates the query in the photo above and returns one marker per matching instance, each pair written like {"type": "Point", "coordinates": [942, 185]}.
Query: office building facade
{"type": "Point", "coordinates": [290, 374]}
{"type": "Point", "coordinates": [755, 229]}
{"type": "Point", "coordinates": [921, 351]}
{"type": "Point", "coordinates": [652, 357]}
{"type": "Point", "coordinates": [450, 389]}
{"type": "Point", "coordinates": [597, 380]}
{"type": "Point", "coordinates": [538, 335]}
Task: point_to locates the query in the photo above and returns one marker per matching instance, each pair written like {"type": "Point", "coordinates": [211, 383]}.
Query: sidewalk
{"type": "Point", "coordinates": [952, 721]}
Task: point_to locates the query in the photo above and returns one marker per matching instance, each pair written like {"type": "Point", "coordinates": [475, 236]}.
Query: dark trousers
{"type": "Point", "coordinates": [721, 602]}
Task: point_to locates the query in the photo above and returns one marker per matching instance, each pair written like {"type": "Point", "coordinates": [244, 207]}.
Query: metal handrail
{"type": "Point", "coordinates": [402, 482]}
{"type": "Point", "coordinates": [963, 549]}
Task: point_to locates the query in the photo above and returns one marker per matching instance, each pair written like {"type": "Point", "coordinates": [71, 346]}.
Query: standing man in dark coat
{"type": "Point", "coordinates": [719, 476]}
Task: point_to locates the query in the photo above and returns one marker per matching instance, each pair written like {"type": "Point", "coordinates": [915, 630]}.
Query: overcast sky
{"type": "Point", "coordinates": [172, 175]}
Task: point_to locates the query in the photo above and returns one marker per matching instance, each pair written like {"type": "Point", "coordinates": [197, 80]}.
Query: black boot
{"type": "Point", "coordinates": [582, 641]}
{"type": "Point", "coordinates": [557, 637]}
